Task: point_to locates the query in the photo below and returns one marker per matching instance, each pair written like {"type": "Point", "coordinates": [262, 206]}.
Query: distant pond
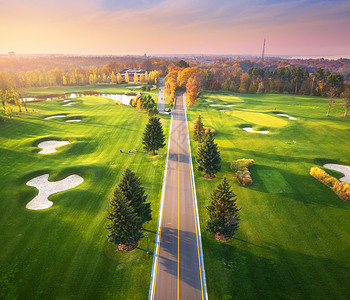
{"type": "Point", "coordinates": [125, 99]}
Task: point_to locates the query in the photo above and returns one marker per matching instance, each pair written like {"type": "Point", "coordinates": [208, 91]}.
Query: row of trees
{"type": "Point", "coordinates": [74, 76]}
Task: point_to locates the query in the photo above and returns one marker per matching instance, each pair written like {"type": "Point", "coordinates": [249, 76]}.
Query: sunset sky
{"type": "Point", "coordinates": [175, 26]}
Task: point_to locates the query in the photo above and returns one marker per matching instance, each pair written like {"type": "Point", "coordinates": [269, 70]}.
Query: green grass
{"type": "Point", "coordinates": [294, 240]}
{"type": "Point", "coordinates": [63, 252]}
{"type": "Point", "coordinates": [103, 88]}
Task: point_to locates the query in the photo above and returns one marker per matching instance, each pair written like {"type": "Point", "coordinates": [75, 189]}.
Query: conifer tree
{"type": "Point", "coordinates": [123, 225]}
{"type": "Point", "coordinates": [208, 155]}
{"type": "Point", "coordinates": [153, 136]}
{"type": "Point", "coordinates": [198, 130]}
{"type": "Point", "coordinates": [130, 186]}
{"type": "Point", "coordinates": [223, 212]}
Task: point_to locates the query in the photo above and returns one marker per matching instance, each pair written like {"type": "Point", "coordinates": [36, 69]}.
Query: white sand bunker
{"type": "Point", "coordinates": [66, 100]}
{"type": "Point", "coordinates": [230, 105]}
{"type": "Point", "coordinates": [47, 188]}
{"type": "Point", "coordinates": [208, 100]}
{"type": "Point", "coordinates": [50, 146]}
{"type": "Point", "coordinates": [289, 117]}
{"type": "Point", "coordinates": [249, 129]}
{"type": "Point", "coordinates": [57, 116]}
{"type": "Point", "coordinates": [77, 120]}
{"type": "Point", "coordinates": [342, 169]}
{"type": "Point", "coordinates": [134, 87]}
{"type": "Point", "coordinates": [222, 109]}
{"type": "Point", "coordinates": [69, 104]}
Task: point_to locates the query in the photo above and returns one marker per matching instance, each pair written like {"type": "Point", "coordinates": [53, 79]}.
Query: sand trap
{"type": "Point", "coordinates": [222, 110]}
{"type": "Point", "coordinates": [289, 117]}
{"type": "Point", "coordinates": [50, 146]}
{"type": "Point", "coordinates": [68, 121]}
{"type": "Point", "coordinates": [66, 100]}
{"type": "Point", "coordinates": [57, 116]}
{"type": "Point", "coordinates": [249, 129]}
{"type": "Point", "coordinates": [208, 100]}
{"type": "Point", "coordinates": [342, 169]}
{"type": "Point", "coordinates": [134, 87]}
{"type": "Point", "coordinates": [47, 188]}
{"type": "Point", "coordinates": [230, 105]}
{"type": "Point", "coordinates": [69, 104]}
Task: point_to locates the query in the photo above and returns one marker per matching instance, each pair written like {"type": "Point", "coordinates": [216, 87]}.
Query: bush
{"type": "Point", "coordinates": [211, 130]}
{"type": "Point", "coordinates": [242, 164]}
{"type": "Point", "coordinates": [240, 167]}
{"type": "Point", "coordinates": [342, 189]}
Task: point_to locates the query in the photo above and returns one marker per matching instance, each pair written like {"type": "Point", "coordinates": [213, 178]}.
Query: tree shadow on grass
{"type": "Point", "coordinates": [268, 271]}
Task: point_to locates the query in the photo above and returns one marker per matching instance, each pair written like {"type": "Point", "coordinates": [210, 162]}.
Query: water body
{"type": "Point", "coordinates": [125, 99]}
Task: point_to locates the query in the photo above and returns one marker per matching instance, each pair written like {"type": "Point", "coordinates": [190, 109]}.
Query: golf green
{"type": "Point", "coordinates": [294, 240]}
{"type": "Point", "coordinates": [62, 252]}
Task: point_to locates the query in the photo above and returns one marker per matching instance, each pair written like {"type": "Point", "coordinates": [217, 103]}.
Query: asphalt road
{"type": "Point", "coordinates": [177, 272]}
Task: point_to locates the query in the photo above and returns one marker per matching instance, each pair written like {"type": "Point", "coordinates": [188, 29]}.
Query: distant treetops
{"type": "Point", "coordinates": [127, 212]}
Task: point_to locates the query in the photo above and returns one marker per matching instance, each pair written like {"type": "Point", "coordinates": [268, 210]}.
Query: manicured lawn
{"type": "Point", "coordinates": [103, 88]}
{"type": "Point", "coordinates": [294, 238]}
{"type": "Point", "coordinates": [62, 252]}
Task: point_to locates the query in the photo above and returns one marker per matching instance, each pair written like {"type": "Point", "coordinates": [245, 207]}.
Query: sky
{"type": "Point", "coordinates": [119, 27]}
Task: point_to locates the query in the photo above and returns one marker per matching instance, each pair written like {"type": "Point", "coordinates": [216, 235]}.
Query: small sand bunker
{"type": "Point", "coordinates": [342, 169]}
{"type": "Point", "coordinates": [57, 116]}
{"type": "Point", "coordinates": [47, 188]}
{"type": "Point", "coordinates": [222, 110]}
{"type": "Point", "coordinates": [66, 100]}
{"type": "Point", "coordinates": [287, 116]}
{"type": "Point", "coordinates": [69, 104]}
{"type": "Point", "coordinates": [50, 146]}
{"type": "Point", "coordinates": [208, 100]}
{"type": "Point", "coordinates": [249, 129]}
{"type": "Point", "coordinates": [77, 120]}
{"type": "Point", "coordinates": [230, 105]}
{"type": "Point", "coordinates": [134, 87]}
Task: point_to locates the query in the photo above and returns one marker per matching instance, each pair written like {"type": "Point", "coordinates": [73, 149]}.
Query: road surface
{"type": "Point", "coordinates": [160, 104]}
{"type": "Point", "coordinates": [178, 271]}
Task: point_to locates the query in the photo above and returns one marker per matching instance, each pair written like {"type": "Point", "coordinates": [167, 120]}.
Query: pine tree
{"type": "Point", "coordinates": [130, 186]}
{"type": "Point", "coordinates": [208, 155]}
{"type": "Point", "coordinates": [198, 130]}
{"type": "Point", "coordinates": [123, 225]}
{"type": "Point", "coordinates": [153, 136]}
{"type": "Point", "coordinates": [223, 212]}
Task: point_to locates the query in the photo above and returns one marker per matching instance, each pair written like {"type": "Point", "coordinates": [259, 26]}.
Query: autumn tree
{"type": "Point", "coordinates": [123, 226]}
{"type": "Point", "coordinates": [113, 77]}
{"type": "Point", "coordinates": [223, 212]}
{"type": "Point", "coordinates": [130, 186]}
{"type": "Point", "coordinates": [126, 77]}
{"type": "Point", "coordinates": [208, 156]}
{"type": "Point", "coordinates": [153, 136]}
{"type": "Point", "coordinates": [119, 78]}
{"type": "Point", "coordinates": [331, 94]}
{"type": "Point", "coordinates": [136, 77]}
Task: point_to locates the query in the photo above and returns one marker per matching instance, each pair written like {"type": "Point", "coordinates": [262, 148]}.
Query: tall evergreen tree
{"type": "Point", "coordinates": [153, 136]}
{"type": "Point", "coordinates": [198, 130]}
{"type": "Point", "coordinates": [208, 155]}
{"type": "Point", "coordinates": [123, 225]}
{"type": "Point", "coordinates": [130, 186]}
{"type": "Point", "coordinates": [223, 212]}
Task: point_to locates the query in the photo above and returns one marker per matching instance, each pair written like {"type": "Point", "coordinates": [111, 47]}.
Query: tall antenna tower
{"type": "Point", "coordinates": [263, 52]}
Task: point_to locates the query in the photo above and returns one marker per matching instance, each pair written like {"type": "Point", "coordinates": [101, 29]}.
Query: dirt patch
{"type": "Point", "coordinates": [128, 248]}
{"type": "Point", "coordinates": [220, 237]}
{"type": "Point", "coordinates": [153, 154]}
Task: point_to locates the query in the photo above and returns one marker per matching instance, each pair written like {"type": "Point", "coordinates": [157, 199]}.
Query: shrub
{"type": "Point", "coordinates": [242, 164]}
{"type": "Point", "coordinates": [211, 130]}
{"type": "Point", "coordinates": [240, 167]}
{"type": "Point", "coordinates": [342, 189]}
